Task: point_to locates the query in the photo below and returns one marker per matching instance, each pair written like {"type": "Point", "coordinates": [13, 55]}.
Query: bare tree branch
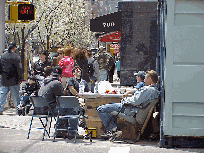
{"type": "Point", "coordinates": [33, 28]}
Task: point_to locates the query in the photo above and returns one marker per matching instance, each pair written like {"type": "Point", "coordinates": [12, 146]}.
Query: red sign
{"type": "Point", "coordinates": [113, 37]}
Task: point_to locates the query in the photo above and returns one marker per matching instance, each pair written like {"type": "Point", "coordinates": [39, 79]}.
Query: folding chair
{"type": "Point", "coordinates": [41, 104]}
{"type": "Point", "coordinates": [72, 103]}
{"type": "Point", "coordinates": [142, 116]}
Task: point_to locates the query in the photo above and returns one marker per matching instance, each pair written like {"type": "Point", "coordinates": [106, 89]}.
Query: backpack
{"type": "Point", "coordinates": [91, 69]}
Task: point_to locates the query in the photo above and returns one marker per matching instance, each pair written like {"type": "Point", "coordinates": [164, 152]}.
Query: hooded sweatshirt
{"type": "Point", "coordinates": [51, 88]}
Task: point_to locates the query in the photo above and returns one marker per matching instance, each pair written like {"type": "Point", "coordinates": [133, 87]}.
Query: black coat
{"type": "Point", "coordinates": [10, 69]}
{"type": "Point", "coordinates": [83, 64]}
{"type": "Point", "coordinates": [38, 67]}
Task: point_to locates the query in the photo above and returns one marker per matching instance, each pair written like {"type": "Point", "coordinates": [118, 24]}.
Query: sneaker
{"type": "Point", "coordinates": [107, 135]}
{"type": "Point", "coordinates": [116, 136]}
{"type": "Point", "coordinates": [1, 113]}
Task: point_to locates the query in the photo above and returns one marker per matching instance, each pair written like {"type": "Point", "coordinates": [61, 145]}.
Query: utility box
{"type": "Point", "coordinates": [183, 113]}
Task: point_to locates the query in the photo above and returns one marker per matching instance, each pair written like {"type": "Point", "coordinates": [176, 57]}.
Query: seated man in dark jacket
{"type": "Point", "coordinates": [50, 89]}
{"type": "Point", "coordinates": [30, 88]}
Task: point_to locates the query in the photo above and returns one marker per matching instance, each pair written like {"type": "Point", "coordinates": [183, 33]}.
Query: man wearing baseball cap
{"type": "Point", "coordinates": [52, 87]}
{"type": "Point", "coordinates": [140, 76]}
{"type": "Point", "coordinates": [11, 76]}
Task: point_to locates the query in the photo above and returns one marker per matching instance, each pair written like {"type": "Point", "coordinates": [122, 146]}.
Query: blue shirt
{"type": "Point", "coordinates": [139, 85]}
{"type": "Point", "coordinates": [117, 65]}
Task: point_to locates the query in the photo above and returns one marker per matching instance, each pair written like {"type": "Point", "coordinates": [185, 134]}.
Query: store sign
{"type": "Point", "coordinates": [107, 23]}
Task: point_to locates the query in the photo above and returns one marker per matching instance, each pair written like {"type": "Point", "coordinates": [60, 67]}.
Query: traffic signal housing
{"type": "Point", "coordinates": [22, 11]}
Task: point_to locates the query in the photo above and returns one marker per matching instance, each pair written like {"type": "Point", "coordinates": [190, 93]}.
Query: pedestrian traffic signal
{"type": "Point", "coordinates": [26, 12]}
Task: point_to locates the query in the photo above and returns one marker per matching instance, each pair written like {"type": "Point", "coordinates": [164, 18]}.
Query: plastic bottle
{"type": "Point", "coordinates": [96, 88]}
{"type": "Point", "coordinates": [118, 90]}
{"type": "Point", "coordinates": [81, 87]}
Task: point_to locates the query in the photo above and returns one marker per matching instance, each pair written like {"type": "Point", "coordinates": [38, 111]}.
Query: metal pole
{"type": "Point", "coordinates": [22, 50]}
{"type": "Point", "coordinates": [162, 50]}
{"type": "Point", "coordinates": [2, 26]}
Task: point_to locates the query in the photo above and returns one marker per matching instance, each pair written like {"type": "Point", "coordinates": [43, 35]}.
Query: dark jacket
{"type": "Point", "coordinates": [38, 67]}
{"type": "Point", "coordinates": [10, 69]}
{"type": "Point", "coordinates": [83, 64]}
{"type": "Point", "coordinates": [31, 88]}
{"type": "Point", "coordinates": [51, 88]}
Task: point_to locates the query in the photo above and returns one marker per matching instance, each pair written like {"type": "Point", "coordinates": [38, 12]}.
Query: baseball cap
{"type": "Point", "coordinates": [140, 74]}
{"type": "Point", "coordinates": [11, 45]}
{"type": "Point", "coordinates": [57, 70]}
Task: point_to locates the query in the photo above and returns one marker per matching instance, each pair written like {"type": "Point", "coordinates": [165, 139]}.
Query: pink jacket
{"type": "Point", "coordinates": [67, 64]}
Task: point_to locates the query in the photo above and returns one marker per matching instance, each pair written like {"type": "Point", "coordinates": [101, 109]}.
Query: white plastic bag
{"type": "Point", "coordinates": [103, 86]}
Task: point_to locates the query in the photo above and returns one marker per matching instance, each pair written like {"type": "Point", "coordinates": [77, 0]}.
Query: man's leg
{"type": "Point", "coordinates": [15, 94]}
{"type": "Point", "coordinates": [89, 85]}
{"type": "Point", "coordinates": [3, 94]}
{"type": "Point", "coordinates": [93, 78]}
{"type": "Point", "coordinates": [103, 75]}
{"type": "Point", "coordinates": [103, 112]}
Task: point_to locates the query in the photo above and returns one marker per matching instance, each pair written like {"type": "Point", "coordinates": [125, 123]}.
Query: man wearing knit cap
{"type": "Point", "coordinates": [11, 76]}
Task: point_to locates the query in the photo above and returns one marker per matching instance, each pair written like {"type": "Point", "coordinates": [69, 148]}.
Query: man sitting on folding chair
{"type": "Point", "coordinates": [149, 91]}
{"type": "Point", "coordinates": [50, 89]}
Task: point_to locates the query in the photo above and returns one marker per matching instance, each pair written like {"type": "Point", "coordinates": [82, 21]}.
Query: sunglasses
{"type": "Point", "coordinates": [61, 53]}
{"type": "Point", "coordinates": [77, 70]}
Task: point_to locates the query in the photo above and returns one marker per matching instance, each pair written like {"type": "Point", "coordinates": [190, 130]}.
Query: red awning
{"type": "Point", "coordinates": [113, 37]}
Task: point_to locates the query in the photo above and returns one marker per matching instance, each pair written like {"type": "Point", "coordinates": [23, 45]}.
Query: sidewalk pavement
{"type": "Point", "coordinates": [14, 129]}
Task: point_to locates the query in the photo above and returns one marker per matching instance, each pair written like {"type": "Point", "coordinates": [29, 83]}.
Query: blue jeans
{"type": "Point", "coordinates": [103, 112]}
{"type": "Point", "coordinates": [24, 100]}
{"type": "Point", "coordinates": [14, 95]}
{"type": "Point", "coordinates": [93, 78]}
{"type": "Point", "coordinates": [102, 75]}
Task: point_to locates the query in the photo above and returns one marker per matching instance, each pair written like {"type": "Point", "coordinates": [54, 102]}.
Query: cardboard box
{"type": "Point", "coordinates": [128, 130]}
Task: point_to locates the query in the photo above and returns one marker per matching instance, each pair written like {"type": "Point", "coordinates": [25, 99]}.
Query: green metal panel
{"type": "Point", "coordinates": [184, 68]}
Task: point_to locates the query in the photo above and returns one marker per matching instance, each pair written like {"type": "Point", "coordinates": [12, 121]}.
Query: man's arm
{"type": "Point", "coordinates": [141, 96]}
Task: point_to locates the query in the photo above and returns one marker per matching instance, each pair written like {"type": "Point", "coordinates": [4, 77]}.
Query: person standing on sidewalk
{"type": "Point", "coordinates": [117, 65]}
{"type": "Point", "coordinates": [67, 64]}
{"type": "Point", "coordinates": [92, 64]}
{"type": "Point", "coordinates": [103, 60]}
{"type": "Point", "coordinates": [11, 73]}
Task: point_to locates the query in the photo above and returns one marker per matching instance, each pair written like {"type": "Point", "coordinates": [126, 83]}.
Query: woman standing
{"type": "Point", "coordinates": [82, 62]}
{"type": "Point", "coordinates": [67, 64]}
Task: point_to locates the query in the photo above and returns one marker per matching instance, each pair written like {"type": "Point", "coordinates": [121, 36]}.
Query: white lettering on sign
{"type": "Point", "coordinates": [108, 24]}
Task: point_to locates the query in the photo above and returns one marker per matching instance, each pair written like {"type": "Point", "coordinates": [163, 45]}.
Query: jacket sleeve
{"type": "Point", "coordinates": [0, 66]}
{"type": "Point", "coordinates": [141, 96]}
{"type": "Point", "coordinates": [58, 89]}
{"type": "Point", "coordinates": [19, 69]}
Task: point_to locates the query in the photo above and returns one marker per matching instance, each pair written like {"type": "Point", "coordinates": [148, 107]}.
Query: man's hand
{"type": "Point", "coordinates": [127, 93]}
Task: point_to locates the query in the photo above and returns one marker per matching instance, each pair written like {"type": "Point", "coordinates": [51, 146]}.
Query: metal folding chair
{"type": "Point", "coordinates": [71, 103]}
{"type": "Point", "coordinates": [41, 104]}
{"type": "Point", "coordinates": [142, 116]}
